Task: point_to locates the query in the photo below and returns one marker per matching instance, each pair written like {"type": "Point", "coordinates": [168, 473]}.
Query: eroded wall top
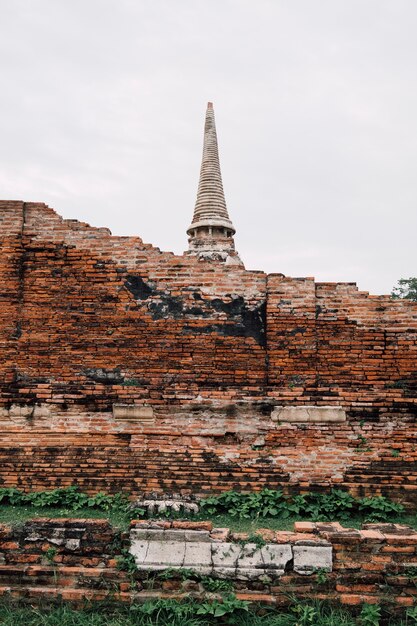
{"type": "Point", "coordinates": [94, 319]}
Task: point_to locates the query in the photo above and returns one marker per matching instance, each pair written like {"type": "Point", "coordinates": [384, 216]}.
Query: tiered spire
{"type": "Point", "coordinates": [211, 231]}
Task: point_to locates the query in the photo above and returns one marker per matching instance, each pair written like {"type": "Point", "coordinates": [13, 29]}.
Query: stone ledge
{"type": "Point", "coordinates": [308, 414]}
{"type": "Point", "coordinates": [162, 548]}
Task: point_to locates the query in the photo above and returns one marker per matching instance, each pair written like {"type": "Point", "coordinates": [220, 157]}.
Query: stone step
{"type": "Point", "coordinates": [155, 552]}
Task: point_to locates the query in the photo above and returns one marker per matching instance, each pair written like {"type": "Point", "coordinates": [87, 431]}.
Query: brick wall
{"type": "Point", "coordinates": [89, 320]}
{"type": "Point", "coordinates": [77, 560]}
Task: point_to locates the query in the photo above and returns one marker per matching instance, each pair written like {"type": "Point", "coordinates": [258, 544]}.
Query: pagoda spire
{"type": "Point", "coordinates": [211, 231]}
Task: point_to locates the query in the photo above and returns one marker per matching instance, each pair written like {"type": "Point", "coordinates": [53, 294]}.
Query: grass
{"type": "Point", "coordinates": [276, 523]}
{"type": "Point", "coordinates": [17, 514]}
{"type": "Point", "coordinates": [236, 510]}
{"type": "Point", "coordinates": [176, 614]}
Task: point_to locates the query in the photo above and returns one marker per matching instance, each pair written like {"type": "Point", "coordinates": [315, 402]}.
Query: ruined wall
{"type": "Point", "coordinates": [102, 313]}
{"type": "Point", "coordinates": [89, 321]}
{"type": "Point", "coordinates": [78, 560]}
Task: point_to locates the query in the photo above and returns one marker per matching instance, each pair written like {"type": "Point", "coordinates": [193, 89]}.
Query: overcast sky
{"type": "Point", "coordinates": [102, 107]}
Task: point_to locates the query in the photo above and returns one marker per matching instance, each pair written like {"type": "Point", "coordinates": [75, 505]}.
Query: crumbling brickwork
{"type": "Point", "coordinates": [89, 321]}
{"type": "Point", "coordinates": [77, 560]}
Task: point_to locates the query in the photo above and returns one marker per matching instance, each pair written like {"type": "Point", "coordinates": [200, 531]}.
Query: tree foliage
{"type": "Point", "coordinates": [406, 288]}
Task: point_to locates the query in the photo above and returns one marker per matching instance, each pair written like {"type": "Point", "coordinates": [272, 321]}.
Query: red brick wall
{"type": "Point", "coordinates": [88, 320]}
{"type": "Point", "coordinates": [76, 560]}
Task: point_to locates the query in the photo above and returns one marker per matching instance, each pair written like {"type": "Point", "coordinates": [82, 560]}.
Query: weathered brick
{"type": "Point", "coordinates": [90, 321]}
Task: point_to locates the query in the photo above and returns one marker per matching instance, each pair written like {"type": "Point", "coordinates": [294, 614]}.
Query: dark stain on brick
{"type": "Point", "coordinates": [166, 306]}
{"type": "Point", "coordinates": [367, 414]}
{"type": "Point", "coordinates": [298, 330]}
{"type": "Point", "coordinates": [138, 288]}
{"type": "Point", "coordinates": [17, 333]}
{"type": "Point", "coordinates": [265, 408]}
{"type": "Point", "coordinates": [125, 437]}
{"type": "Point", "coordinates": [26, 379]}
{"type": "Point", "coordinates": [197, 311]}
{"type": "Point", "coordinates": [109, 298]}
{"type": "Point", "coordinates": [241, 320]}
{"type": "Point", "coordinates": [104, 376]}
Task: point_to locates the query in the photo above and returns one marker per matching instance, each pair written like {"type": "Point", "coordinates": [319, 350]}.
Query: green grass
{"type": "Point", "coordinates": [239, 511]}
{"type": "Point", "coordinates": [175, 614]}
{"type": "Point", "coordinates": [276, 523]}
{"type": "Point", "coordinates": [17, 514]}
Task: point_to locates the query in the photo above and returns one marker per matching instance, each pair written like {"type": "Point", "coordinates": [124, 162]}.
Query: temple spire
{"type": "Point", "coordinates": [211, 231]}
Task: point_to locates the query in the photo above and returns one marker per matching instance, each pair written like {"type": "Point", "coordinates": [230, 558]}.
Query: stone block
{"type": "Point", "coordinates": [72, 544]}
{"type": "Point", "coordinates": [225, 572]}
{"type": "Point", "coordinates": [139, 549]}
{"type": "Point", "coordinates": [197, 554]}
{"type": "Point", "coordinates": [309, 414]}
{"type": "Point", "coordinates": [197, 535]}
{"type": "Point", "coordinates": [174, 535]}
{"type": "Point", "coordinates": [225, 555]}
{"type": "Point", "coordinates": [203, 570]}
{"type": "Point", "coordinates": [250, 557]}
{"type": "Point", "coordinates": [309, 558]}
{"type": "Point", "coordinates": [276, 556]}
{"type": "Point", "coordinates": [165, 553]}
{"type": "Point", "coordinates": [249, 573]}
{"type": "Point", "coordinates": [143, 414]}
{"type": "Point", "coordinates": [148, 534]}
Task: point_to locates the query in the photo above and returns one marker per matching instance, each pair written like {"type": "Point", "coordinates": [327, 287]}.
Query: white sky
{"type": "Point", "coordinates": [102, 107]}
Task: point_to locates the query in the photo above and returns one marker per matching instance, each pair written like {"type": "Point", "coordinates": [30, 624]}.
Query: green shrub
{"type": "Point", "coordinates": [370, 615]}
{"type": "Point", "coordinates": [411, 615]}
{"type": "Point", "coordinates": [167, 610]}
{"type": "Point", "coordinates": [268, 503]}
{"type": "Point", "coordinates": [265, 503]}
{"type": "Point", "coordinates": [126, 562]}
{"type": "Point", "coordinates": [327, 506]}
{"type": "Point", "coordinates": [217, 585]}
{"type": "Point", "coordinates": [379, 509]}
{"type": "Point", "coordinates": [65, 497]}
{"type": "Point", "coordinates": [336, 504]}
{"type": "Point", "coordinates": [192, 612]}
